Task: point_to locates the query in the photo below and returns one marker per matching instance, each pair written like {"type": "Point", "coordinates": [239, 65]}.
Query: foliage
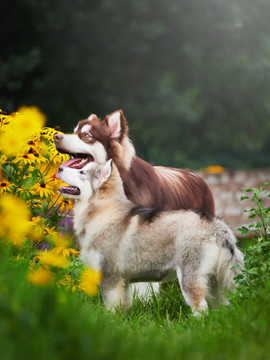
{"type": "Point", "coordinates": [257, 260]}
{"type": "Point", "coordinates": [31, 208]}
{"type": "Point", "coordinates": [192, 77]}
{"type": "Point", "coordinates": [50, 322]}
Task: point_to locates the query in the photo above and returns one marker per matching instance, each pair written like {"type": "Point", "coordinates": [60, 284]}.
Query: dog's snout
{"type": "Point", "coordinates": [58, 137]}
{"type": "Point", "coordinates": [61, 169]}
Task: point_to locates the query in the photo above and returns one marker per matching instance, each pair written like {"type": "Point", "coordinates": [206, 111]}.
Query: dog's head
{"type": "Point", "coordinates": [93, 140]}
{"type": "Point", "coordinates": [85, 182]}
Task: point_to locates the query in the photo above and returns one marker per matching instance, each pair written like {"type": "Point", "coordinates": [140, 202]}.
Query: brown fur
{"type": "Point", "coordinates": [197, 293]}
{"type": "Point", "coordinates": [159, 187]}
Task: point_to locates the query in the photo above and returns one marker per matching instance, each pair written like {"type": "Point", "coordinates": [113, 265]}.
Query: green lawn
{"type": "Point", "coordinates": [52, 323]}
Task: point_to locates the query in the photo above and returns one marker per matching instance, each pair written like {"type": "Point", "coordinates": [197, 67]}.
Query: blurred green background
{"type": "Point", "coordinates": [192, 77]}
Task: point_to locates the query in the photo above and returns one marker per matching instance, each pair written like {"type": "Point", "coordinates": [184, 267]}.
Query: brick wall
{"type": "Point", "coordinates": [226, 187]}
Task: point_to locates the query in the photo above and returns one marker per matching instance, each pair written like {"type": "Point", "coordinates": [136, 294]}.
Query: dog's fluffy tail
{"type": "Point", "coordinates": [231, 259]}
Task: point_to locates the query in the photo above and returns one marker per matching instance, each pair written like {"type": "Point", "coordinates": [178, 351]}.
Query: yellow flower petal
{"type": "Point", "coordinates": [90, 280]}
{"type": "Point", "coordinates": [50, 258]}
{"type": "Point", "coordinates": [40, 276]}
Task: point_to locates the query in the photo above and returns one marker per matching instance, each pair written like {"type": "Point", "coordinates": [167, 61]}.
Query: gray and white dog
{"type": "Point", "coordinates": [130, 243]}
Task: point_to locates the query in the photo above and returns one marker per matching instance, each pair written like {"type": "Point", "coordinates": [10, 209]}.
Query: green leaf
{"type": "Point", "coordinates": [258, 225]}
{"type": "Point", "coordinates": [28, 182]}
{"type": "Point", "coordinates": [248, 190]}
{"type": "Point", "coordinates": [244, 230]}
{"type": "Point", "coordinates": [244, 198]}
{"type": "Point", "coordinates": [253, 271]}
{"type": "Point", "coordinates": [235, 267]}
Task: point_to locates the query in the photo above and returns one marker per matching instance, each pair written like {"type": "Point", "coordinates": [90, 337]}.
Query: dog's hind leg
{"type": "Point", "coordinates": [194, 290]}
{"type": "Point", "coordinates": [116, 293]}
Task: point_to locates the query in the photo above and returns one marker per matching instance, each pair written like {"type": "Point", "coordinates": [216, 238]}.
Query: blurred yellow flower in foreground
{"type": "Point", "coordinates": [14, 219]}
{"type": "Point", "coordinates": [25, 123]}
{"type": "Point", "coordinates": [90, 280]}
{"type": "Point", "coordinates": [52, 259]}
{"type": "Point", "coordinates": [65, 251]}
{"type": "Point", "coordinates": [29, 120]}
{"type": "Point", "coordinates": [40, 276]}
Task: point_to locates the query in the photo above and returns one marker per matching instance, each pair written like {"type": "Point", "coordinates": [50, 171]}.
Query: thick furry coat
{"type": "Point", "coordinates": [130, 243]}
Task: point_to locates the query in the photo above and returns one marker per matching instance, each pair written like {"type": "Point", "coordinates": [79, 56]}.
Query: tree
{"type": "Point", "coordinates": [192, 77]}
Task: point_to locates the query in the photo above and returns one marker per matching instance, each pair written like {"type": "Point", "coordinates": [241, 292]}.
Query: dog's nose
{"type": "Point", "coordinates": [58, 137]}
{"type": "Point", "coordinates": [61, 169]}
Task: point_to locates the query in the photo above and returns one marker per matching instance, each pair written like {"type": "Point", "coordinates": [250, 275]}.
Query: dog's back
{"type": "Point", "coordinates": [151, 245]}
{"type": "Point", "coordinates": [165, 188]}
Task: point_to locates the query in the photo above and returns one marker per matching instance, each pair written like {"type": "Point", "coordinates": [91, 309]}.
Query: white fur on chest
{"type": "Point", "coordinates": [91, 230]}
{"type": "Point", "coordinates": [80, 216]}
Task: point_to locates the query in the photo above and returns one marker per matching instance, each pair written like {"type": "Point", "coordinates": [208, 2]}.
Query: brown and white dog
{"type": "Point", "coordinates": [130, 243]}
{"type": "Point", "coordinates": [159, 187]}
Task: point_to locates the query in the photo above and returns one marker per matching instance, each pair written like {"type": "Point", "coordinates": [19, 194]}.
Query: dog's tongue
{"type": "Point", "coordinates": [76, 163]}
{"type": "Point", "coordinates": [71, 162]}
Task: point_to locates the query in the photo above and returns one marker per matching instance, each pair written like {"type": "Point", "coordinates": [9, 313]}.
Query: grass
{"type": "Point", "coordinates": [53, 323]}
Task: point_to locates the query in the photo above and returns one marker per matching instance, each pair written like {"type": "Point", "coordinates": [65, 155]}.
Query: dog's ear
{"type": "Point", "coordinates": [92, 117]}
{"type": "Point", "coordinates": [104, 172]}
{"type": "Point", "coordinates": [117, 124]}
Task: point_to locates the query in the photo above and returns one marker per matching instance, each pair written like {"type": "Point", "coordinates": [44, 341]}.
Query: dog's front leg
{"type": "Point", "coordinates": [116, 292]}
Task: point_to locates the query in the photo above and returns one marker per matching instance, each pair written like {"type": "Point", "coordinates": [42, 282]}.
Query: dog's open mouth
{"type": "Point", "coordinates": [70, 190]}
{"type": "Point", "coordinates": [78, 161]}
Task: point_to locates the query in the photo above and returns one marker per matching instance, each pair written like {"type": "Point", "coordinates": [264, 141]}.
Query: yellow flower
{"type": "Point", "coordinates": [39, 158]}
{"type": "Point", "coordinates": [43, 189]}
{"type": "Point", "coordinates": [33, 143]}
{"type": "Point", "coordinates": [32, 264]}
{"type": "Point", "coordinates": [52, 259]}
{"type": "Point", "coordinates": [48, 171]}
{"type": "Point", "coordinates": [90, 280]}
{"type": "Point", "coordinates": [51, 232]}
{"type": "Point", "coordinates": [3, 159]}
{"type": "Point", "coordinates": [65, 251]}
{"type": "Point", "coordinates": [62, 241]}
{"type": "Point", "coordinates": [48, 133]}
{"type": "Point", "coordinates": [11, 142]}
{"type": "Point", "coordinates": [215, 169]}
{"type": "Point", "coordinates": [14, 220]}
{"type": "Point", "coordinates": [40, 276]}
{"type": "Point", "coordinates": [62, 246]}
{"type": "Point", "coordinates": [34, 203]}
{"type": "Point", "coordinates": [67, 281]}
{"type": "Point", "coordinates": [5, 186]}
{"type": "Point", "coordinates": [55, 156]}
{"type": "Point", "coordinates": [37, 229]}
{"type": "Point", "coordinates": [24, 158]}
{"type": "Point", "coordinates": [64, 204]}
{"type": "Point", "coordinates": [28, 121]}
{"type": "Point", "coordinates": [4, 119]}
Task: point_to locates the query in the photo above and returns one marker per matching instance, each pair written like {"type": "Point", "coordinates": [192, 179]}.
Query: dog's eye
{"type": "Point", "coordinates": [82, 172]}
{"type": "Point", "coordinates": [87, 135]}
